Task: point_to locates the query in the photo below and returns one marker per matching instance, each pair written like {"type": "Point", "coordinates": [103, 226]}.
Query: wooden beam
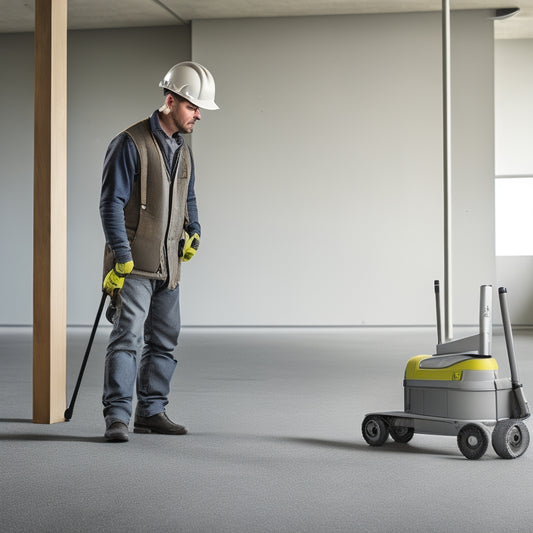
{"type": "Point", "coordinates": [50, 212]}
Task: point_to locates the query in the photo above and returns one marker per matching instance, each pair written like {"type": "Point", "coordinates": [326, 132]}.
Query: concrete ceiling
{"type": "Point", "coordinates": [18, 15]}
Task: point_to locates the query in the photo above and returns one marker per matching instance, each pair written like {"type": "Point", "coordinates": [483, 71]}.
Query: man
{"type": "Point", "coordinates": [150, 221]}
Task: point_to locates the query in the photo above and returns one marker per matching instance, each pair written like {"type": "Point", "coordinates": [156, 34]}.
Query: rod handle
{"type": "Point", "coordinates": [436, 285]}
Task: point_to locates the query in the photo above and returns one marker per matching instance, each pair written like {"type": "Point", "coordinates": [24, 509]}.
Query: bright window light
{"type": "Point", "coordinates": [514, 216]}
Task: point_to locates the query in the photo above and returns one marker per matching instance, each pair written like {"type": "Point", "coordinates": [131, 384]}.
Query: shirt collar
{"type": "Point", "coordinates": [155, 126]}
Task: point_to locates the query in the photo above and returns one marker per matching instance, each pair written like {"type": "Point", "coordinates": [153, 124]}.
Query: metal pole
{"type": "Point", "coordinates": [485, 320]}
{"type": "Point", "coordinates": [508, 332]}
{"type": "Point", "coordinates": [521, 407]}
{"type": "Point", "coordinates": [446, 137]}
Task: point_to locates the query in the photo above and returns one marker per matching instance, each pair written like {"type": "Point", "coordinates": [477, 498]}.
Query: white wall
{"type": "Point", "coordinates": [514, 106]}
{"type": "Point", "coordinates": [514, 155]}
{"type": "Point", "coordinates": [319, 180]}
{"type": "Point", "coordinates": [113, 78]}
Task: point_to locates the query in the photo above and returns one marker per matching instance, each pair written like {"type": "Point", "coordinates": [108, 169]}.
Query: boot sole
{"type": "Point", "coordinates": [141, 430]}
{"type": "Point", "coordinates": [157, 432]}
{"type": "Point", "coordinates": [116, 438]}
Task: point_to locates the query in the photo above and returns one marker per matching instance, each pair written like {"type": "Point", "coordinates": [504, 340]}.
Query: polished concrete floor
{"type": "Point", "coordinates": [274, 446]}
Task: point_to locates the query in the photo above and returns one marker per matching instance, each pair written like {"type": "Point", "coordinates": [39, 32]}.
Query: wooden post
{"type": "Point", "coordinates": [50, 212]}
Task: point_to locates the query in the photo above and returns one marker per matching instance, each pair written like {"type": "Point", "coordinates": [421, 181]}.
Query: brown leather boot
{"type": "Point", "coordinates": [159, 423]}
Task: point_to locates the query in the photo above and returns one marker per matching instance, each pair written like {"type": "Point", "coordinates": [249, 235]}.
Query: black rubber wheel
{"type": "Point", "coordinates": [510, 438]}
{"type": "Point", "coordinates": [375, 430]}
{"type": "Point", "coordinates": [472, 441]}
{"type": "Point", "coordinates": [401, 434]}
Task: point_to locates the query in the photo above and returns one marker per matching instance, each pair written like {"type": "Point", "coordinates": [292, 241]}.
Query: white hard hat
{"type": "Point", "coordinates": [193, 82]}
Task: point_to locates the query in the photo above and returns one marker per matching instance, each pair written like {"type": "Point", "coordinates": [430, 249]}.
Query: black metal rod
{"type": "Point", "coordinates": [437, 305]}
{"type": "Point", "coordinates": [70, 408]}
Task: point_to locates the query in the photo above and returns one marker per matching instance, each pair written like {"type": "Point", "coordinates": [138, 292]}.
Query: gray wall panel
{"type": "Point", "coordinates": [113, 82]}
{"type": "Point", "coordinates": [321, 177]}
{"type": "Point", "coordinates": [113, 78]}
{"type": "Point", "coordinates": [16, 178]}
{"type": "Point", "coordinates": [319, 180]}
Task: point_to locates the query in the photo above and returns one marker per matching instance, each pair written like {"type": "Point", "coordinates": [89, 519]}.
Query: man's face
{"type": "Point", "coordinates": [184, 115]}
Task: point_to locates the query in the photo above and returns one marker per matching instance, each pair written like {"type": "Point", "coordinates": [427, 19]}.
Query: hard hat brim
{"type": "Point", "coordinates": [203, 104]}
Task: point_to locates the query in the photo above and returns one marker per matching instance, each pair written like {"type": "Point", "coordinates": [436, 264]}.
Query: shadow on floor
{"type": "Point", "coordinates": [33, 437]}
{"type": "Point", "coordinates": [392, 447]}
{"type": "Point", "coordinates": [27, 437]}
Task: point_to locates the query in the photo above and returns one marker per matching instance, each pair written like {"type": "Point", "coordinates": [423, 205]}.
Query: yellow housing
{"type": "Point", "coordinates": [450, 373]}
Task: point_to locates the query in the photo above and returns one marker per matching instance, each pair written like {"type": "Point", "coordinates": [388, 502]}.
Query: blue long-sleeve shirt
{"type": "Point", "coordinates": [121, 169]}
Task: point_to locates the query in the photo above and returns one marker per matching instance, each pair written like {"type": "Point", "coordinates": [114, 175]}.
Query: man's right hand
{"type": "Point", "coordinates": [114, 279]}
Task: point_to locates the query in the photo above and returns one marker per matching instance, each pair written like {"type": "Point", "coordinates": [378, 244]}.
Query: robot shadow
{"type": "Point", "coordinates": [390, 447]}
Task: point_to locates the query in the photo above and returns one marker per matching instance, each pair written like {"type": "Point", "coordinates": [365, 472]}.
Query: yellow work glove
{"type": "Point", "coordinates": [114, 279]}
{"type": "Point", "coordinates": [191, 245]}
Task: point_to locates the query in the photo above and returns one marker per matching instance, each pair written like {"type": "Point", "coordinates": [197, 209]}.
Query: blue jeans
{"type": "Point", "coordinates": [146, 322]}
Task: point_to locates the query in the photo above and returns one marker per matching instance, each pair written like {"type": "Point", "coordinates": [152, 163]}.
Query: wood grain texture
{"type": "Point", "coordinates": [50, 212]}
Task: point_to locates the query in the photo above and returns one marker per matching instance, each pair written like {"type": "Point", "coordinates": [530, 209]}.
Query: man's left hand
{"type": "Point", "coordinates": [191, 246]}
